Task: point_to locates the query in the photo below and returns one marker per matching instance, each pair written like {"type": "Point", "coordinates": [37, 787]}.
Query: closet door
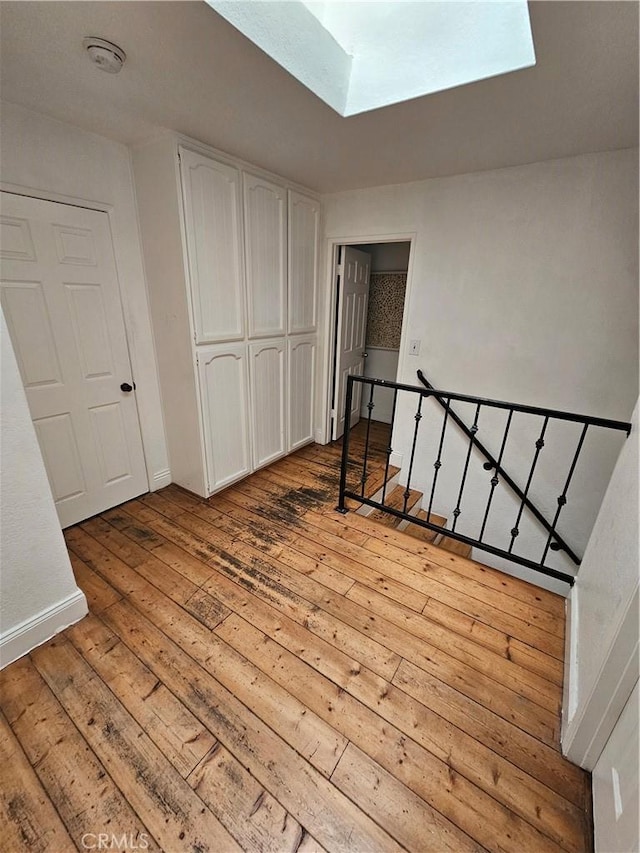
{"type": "Point", "coordinates": [213, 225]}
{"type": "Point", "coordinates": [223, 374]}
{"type": "Point", "coordinates": [304, 225]}
{"type": "Point", "coordinates": [265, 212]}
{"type": "Point", "coordinates": [302, 365]}
{"type": "Point", "coordinates": [268, 399]}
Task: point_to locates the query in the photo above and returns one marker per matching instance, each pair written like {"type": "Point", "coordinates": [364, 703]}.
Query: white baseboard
{"type": "Point", "coordinates": [160, 479]}
{"type": "Point", "coordinates": [33, 632]}
{"type": "Point", "coordinates": [318, 436]}
{"type": "Point", "coordinates": [396, 458]}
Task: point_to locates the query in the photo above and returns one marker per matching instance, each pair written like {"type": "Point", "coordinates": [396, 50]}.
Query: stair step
{"type": "Point", "coordinates": [459, 548]}
{"type": "Point", "coordinates": [373, 483]}
{"type": "Point", "coordinates": [424, 533]}
{"type": "Point", "coordinates": [395, 500]}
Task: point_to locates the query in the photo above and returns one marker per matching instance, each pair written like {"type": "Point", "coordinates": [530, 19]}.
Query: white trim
{"type": "Point", "coordinates": [319, 436]}
{"type": "Point", "coordinates": [586, 734]}
{"type": "Point", "coordinates": [38, 629]}
{"type": "Point", "coordinates": [160, 479]}
{"type": "Point", "coordinates": [326, 335]}
{"type": "Point", "coordinates": [396, 459]}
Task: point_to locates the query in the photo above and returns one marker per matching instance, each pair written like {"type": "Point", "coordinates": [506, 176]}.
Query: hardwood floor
{"type": "Point", "coordinates": [261, 673]}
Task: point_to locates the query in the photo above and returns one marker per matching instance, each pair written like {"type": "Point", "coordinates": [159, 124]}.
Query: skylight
{"type": "Point", "coordinates": [359, 55]}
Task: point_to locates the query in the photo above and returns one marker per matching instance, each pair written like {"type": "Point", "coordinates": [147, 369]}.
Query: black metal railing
{"type": "Point", "coordinates": [552, 539]}
{"type": "Point", "coordinates": [558, 543]}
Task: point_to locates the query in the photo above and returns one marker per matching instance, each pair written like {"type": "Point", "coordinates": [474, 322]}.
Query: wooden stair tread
{"type": "Point", "coordinates": [376, 480]}
{"type": "Point", "coordinates": [424, 533]}
{"type": "Point", "coordinates": [459, 548]}
{"type": "Point", "coordinates": [373, 483]}
{"type": "Point", "coordinates": [395, 500]}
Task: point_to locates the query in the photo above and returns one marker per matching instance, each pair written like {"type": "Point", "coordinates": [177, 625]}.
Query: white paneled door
{"type": "Point", "coordinates": [353, 303]}
{"type": "Point", "coordinates": [61, 300]}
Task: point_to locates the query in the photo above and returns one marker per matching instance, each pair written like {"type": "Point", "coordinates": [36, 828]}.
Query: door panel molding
{"type": "Point", "coordinates": [73, 337]}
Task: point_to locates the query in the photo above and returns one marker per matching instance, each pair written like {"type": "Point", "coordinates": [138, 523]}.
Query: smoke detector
{"type": "Point", "coordinates": [107, 56]}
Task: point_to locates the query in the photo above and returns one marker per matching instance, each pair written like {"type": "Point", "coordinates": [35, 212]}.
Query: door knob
{"type": "Point", "coordinates": [126, 387]}
{"type": "Point", "coordinates": [365, 355]}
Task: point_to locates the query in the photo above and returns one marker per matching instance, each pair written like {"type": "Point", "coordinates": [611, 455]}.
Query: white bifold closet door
{"type": "Point", "coordinates": [304, 232]}
{"type": "Point", "coordinates": [224, 383]}
{"type": "Point", "coordinates": [265, 220]}
{"type": "Point", "coordinates": [61, 300]}
{"type": "Point", "coordinates": [268, 400]}
{"type": "Point", "coordinates": [213, 226]}
{"type": "Point", "coordinates": [301, 372]}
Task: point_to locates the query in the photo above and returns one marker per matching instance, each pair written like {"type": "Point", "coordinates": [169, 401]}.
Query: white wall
{"type": "Point", "coordinates": [380, 364]}
{"type": "Point", "coordinates": [524, 287]}
{"type": "Point", "coordinates": [51, 159]}
{"type": "Point", "coordinates": [38, 593]}
{"type": "Point", "coordinates": [616, 787]}
{"type": "Point", "coordinates": [388, 257]}
{"type": "Point", "coordinates": [602, 656]}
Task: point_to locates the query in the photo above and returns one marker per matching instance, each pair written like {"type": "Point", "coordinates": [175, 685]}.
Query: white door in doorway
{"type": "Point", "coordinates": [353, 302]}
{"type": "Point", "coordinates": [61, 300]}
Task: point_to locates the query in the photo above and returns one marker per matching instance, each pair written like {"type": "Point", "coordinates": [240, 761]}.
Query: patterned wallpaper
{"type": "Point", "coordinates": [386, 304]}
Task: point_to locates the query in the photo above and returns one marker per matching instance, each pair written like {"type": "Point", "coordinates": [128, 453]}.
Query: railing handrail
{"type": "Point", "coordinates": [624, 426]}
{"type": "Point", "coordinates": [440, 395]}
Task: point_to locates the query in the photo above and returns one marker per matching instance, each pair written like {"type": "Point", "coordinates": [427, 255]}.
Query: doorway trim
{"type": "Point", "coordinates": [323, 431]}
{"type": "Point", "coordinates": [155, 479]}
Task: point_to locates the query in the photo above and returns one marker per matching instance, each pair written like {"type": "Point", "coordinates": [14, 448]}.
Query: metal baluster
{"type": "Point", "coordinates": [473, 430]}
{"type": "Point", "coordinates": [370, 406]}
{"type": "Point", "coordinates": [562, 500]}
{"type": "Point", "coordinates": [515, 530]}
{"type": "Point", "coordinates": [494, 479]}
{"type": "Point", "coordinates": [345, 447]}
{"type": "Point", "coordinates": [417, 418]}
{"type": "Point", "coordinates": [389, 448]}
{"type": "Point", "coordinates": [438, 463]}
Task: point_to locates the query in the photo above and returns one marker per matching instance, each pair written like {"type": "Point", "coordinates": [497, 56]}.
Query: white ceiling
{"type": "Point", "coordinates": [189, 70]}
{"type": "Point", "coordinates": [359, 56]}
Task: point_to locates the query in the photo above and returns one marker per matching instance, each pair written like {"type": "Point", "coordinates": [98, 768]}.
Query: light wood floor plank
{"type": "Point", "coordinates": [173, 729]}
{"type": "Point", "coordinates": [174, 814]}
{"type": "Point", "coordinates": [84, 795]}
{"type": "Point", "coordinates": [262, 673]}
{"type": "Point", "coordinates": [314, 739]}
{"type": "Point", "coordinates": [306, 794]}
{"type": "Point", "coordinates": [28, 820]}
{"type": "Point", "coordinates": [412, 821]}
{"type": "Point", "coordinates": [434, 780]}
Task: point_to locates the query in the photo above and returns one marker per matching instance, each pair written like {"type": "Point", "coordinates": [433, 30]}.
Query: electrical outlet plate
{"type": "Point", "coordinates": [414, 347]}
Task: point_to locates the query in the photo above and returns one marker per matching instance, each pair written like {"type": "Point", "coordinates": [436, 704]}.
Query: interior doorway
{"type": "Point", "coordinates": [368, 323]}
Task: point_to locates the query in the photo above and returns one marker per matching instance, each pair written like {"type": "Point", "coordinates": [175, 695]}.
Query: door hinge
{"type": "Point", "coordinates": [333, 413]}
{"type": "Point", "coordinates": [339, 269]}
